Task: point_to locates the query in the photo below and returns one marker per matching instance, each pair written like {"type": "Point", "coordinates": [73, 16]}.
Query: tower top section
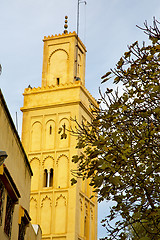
{"type": "Point", "coordinates": [63, 59]}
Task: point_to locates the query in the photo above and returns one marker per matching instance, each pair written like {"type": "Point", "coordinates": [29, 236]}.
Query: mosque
{"type": "Point", "coordinates": [64, 212]}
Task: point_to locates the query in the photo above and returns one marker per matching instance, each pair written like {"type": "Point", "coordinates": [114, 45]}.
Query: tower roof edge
{"type": "Point", "coordinates": [64, 35]}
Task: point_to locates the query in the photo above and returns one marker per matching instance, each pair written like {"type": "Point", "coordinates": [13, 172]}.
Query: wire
{"type": "Point", "coordinates": [85, 21]}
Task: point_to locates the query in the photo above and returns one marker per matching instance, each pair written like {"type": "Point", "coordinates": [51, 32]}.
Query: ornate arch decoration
{"type": "Point", "coordinates": [36, 122]}
{"type": "Point", "coordinates": [49, 156]}
{"type": "Point", "coordinates": [35, 200]}
{"type": "Point", "coordinates": [60, 196]}
{"type": "Point", "coordinates": [46, 197]}
{"type": "Point", "coordinates": [62, 155]}
{"type": "Point", "coordinates": [50, 120]}
{"type": "Point", "coordinates": [81, 204]}
{"type": "Point", "coordinates": [86, 209]}
{"type": "Point", "coordinates": [34, 158]}
{"type": "Point", "coordinates": [91, 211]}
{"type": "Point", "coordinates": [59, 49]}
{"type": "Point", "coordinates": [52, 123]}
{"type": "Point", "coordinates": [64, 118]}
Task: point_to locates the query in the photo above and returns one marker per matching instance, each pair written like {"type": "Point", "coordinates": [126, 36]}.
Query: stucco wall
{"type": "Point", "coordinates": [18, 167]}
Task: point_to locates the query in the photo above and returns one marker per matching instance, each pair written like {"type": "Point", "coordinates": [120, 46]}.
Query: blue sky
{"type": "Point", "coordinates": [106, 28]}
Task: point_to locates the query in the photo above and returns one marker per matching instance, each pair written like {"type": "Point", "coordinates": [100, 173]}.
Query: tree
{"type": "Point", "coordinates": [120, 147]}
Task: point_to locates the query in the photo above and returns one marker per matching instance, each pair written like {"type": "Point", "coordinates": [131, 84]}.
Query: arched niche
{"type": "Point", "coordinates": [48, 162]}
{"type": "Point", "coordinates": [63, 137]}
{"type": "Point", "coordinates": [46, 207]}
{"type": "Point", "coordinates": [50, 134]}
{"type": "Point", "coordinates": [58, 67]}
{"type": "Point", "coordinates": [35, 165]}
{"type": "Point", "coordinates": [61, 214]}
{"type": "Point", "coordinates": [62, 171]}
{"type": "Point", "coordinates": [36, 132]}
{"type": "Point", "coordinates": [33, 210]}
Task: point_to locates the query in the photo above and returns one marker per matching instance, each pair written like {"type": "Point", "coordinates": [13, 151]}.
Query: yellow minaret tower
{"type": "Point", "coordinates": [64, 212]}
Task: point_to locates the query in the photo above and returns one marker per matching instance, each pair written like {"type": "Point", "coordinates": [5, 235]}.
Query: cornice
{"type": "Point", "coordinates": [23, 109]}
{"type": "Point", "coordinates": [64, 35]}
{"type": "Point", "coordinates": [51, 88]}
{"type": "Point", "coordinates": [65, 86]}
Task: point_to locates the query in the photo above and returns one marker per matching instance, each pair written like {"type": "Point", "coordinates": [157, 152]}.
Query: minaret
{"type": "Point", "coordinates": [64, 212]}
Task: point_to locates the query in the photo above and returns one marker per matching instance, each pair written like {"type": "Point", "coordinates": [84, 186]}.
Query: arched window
{"type": "Point", "coordinates": [45, 177]}
{"type": "Point", "coordinates": [51, 178]}
{"type": "Point", "coordinates": [48, 177]}
{"type": "Point", "coordinates": [50, 130]}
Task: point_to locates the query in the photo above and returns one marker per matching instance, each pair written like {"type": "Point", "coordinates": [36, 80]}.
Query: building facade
{"type": "Point", "coordinates": [15, 183]}
{"type": "Point", "coordinates": [64, 212]}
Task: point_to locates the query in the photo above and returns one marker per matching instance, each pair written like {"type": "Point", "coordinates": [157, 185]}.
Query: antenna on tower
{"type": "Point", "coordinates": [76, 61]}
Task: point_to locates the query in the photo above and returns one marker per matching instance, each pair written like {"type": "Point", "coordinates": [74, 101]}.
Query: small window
{"type": "Point", "coordinates": [2, 196]}
{"type": "Point", "coordinates": [8, 217]}
{"type": "Point", "coordinates": [58, 81]}
{"type": "Point", "coordinates": [48, 178]}
{"type": "Point", "coordinates": [50, 130]}
{"type": "Point", "coordinates": [51, 178]}
{"type": "Point", "coordinates": [22, 229]}
{"type": "Point", "coordinates": [24, 221]}
{"type": "Point", "coordinates": [45, 178]}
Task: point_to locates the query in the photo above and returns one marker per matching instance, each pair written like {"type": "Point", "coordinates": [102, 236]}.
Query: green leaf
{"type": "Point", "coordinates": [121, 145]}
{"type": "Point", "coordinates": [109, 90]}
{"type": "Point", "coordinates": [106, 75]}
{"type": "Point", "coordinates": [106, 79]}
{"type": "Point", "coordinates": [120, 63]}
{"type": "Point", "coordinates": [60, 130]}
{"type": "Point", "coordinates": [127, 54]}
{"type": "Point", "coordinates": [117, 79]}
{"type": "Point", "coordinates": [73, 181]}
{"type": "Point", "coordinates": [75, 158]}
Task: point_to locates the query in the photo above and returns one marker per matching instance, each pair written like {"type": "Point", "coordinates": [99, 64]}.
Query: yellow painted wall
{"type": "Point", "coordinates": [64, 212]}
{"type": "Point", "coordinates": [19, 170]}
